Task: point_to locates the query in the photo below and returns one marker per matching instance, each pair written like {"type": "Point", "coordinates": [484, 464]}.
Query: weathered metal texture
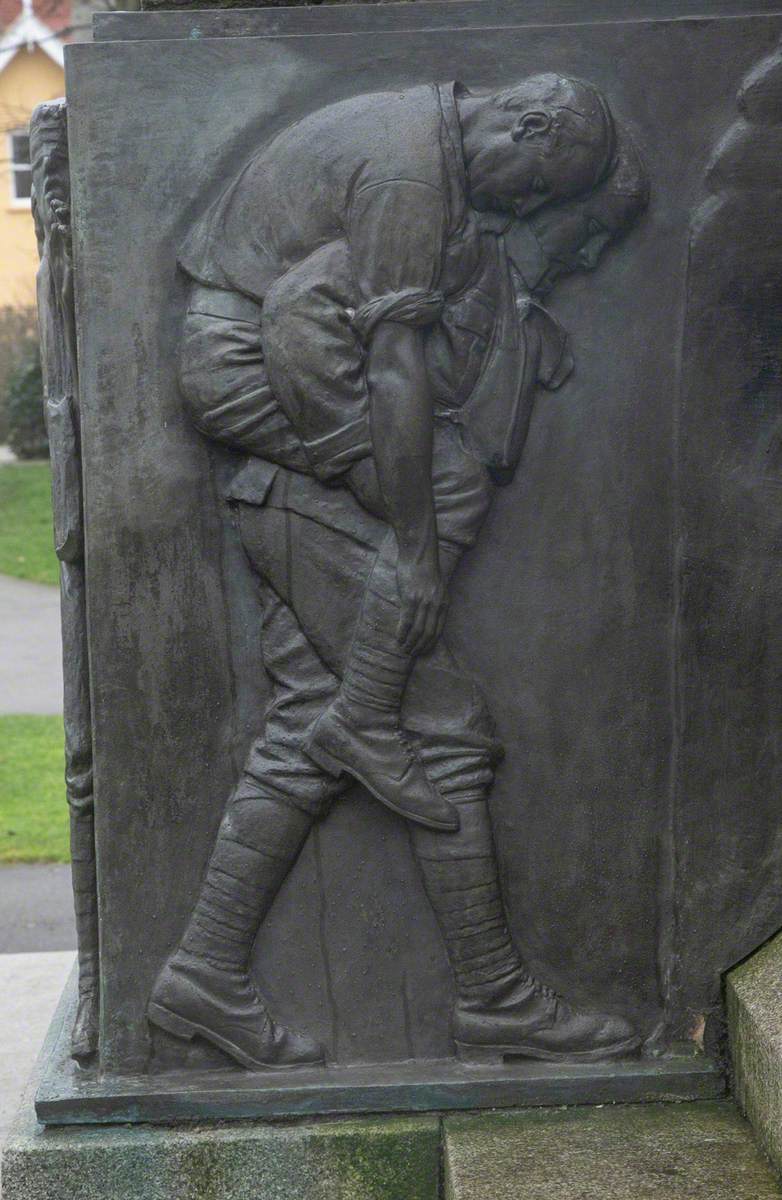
{"type": "Point", "coordinates": [70, 1095]}
{"type": "Point", "coordinates": [571, 606]}
{"type": "Point", "coordinates": [57, 325]}
{"type": "Point", "coordinates": [727, 838]}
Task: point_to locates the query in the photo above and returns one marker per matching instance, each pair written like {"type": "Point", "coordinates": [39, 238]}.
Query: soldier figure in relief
{"type": "Point", "coordinates": [57, 328]}
{"type": "Point", "coordinates": [362, 322]}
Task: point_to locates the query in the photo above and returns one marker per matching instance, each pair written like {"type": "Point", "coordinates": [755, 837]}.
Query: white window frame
{"type": "Point", "coordinates": [13, 167]}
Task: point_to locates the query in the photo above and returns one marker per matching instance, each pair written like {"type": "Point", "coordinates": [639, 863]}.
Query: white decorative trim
{"type": "Point", "coordinates": [27, 32]}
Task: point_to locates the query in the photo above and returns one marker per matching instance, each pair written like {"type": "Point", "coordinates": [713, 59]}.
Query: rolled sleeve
{"type": "Point", "coordinates": [396, 235]}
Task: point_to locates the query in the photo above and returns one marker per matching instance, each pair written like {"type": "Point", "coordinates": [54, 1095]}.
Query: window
{"type": "Point", "coordinates": [21, 175]}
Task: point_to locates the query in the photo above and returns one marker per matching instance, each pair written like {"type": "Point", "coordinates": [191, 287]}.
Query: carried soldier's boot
{"type": "Point", "coordinates": [205, 989]}
{"type": "Point", "coordinates": [501, 1009]}
{"type": "Point", "coordinates": [360, 733]}
{"type": "Point", "coordinates": [84, 1035]}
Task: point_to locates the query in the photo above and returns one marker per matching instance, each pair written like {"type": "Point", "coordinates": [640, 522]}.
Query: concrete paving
{"type": "Point", "coordinates": [36, 908]}
{"type": "Point", "coordinates": [30, 986]}
{"type": "Point", "coordinates": [30, 647]}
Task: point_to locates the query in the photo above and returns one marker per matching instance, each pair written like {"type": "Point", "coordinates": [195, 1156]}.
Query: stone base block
{"type": "Point", "coordinates": [754, 995]}
{"type": "Point", "coordinates": [702, 1151]}
{"type": "Point", "coordinates": [367, 1158]}
{"type": "Point", "coordinates": [370, 1159]}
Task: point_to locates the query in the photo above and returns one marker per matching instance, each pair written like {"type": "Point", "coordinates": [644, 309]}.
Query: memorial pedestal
{"type": "Point", "coordinates": [246, 198]}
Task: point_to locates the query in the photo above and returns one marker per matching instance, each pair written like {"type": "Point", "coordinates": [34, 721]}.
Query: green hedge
{"type": "Point", "coordinates": [18, 340]}
{"type": "Point", "coordinates": [24, 409]}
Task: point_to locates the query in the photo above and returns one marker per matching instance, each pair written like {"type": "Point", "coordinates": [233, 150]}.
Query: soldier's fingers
{"type": "Point", "coordinates": [430, 632]}
{"type": "Point", "coordinates": [427, 637]}
{"type": "Point", "coordinates": [418, 628]}
{"type": "Point", "coordinates": [440, 622]}
{"type": "Point", "coordinates": [404, 627]}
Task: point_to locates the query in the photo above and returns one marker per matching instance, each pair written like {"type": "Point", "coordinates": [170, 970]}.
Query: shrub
{"type": "Point", "coordinates": [24, 410]}
{"type": "Point", "coordinates": [18, 337]}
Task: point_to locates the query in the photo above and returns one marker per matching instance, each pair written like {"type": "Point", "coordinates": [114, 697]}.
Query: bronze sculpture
{"type": "Point", "coordinates": [57, 326]}
{"type": "Point", "coordinates": [375, 342]}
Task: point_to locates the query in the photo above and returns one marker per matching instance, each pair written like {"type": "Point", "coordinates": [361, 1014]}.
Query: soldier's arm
{"type": "Point", "coordinates": [401, 422]}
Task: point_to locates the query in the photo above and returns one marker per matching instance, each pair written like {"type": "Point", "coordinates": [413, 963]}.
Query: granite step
{"type": "Point", "coordinates": [754, 995]}
{"type": "Point", "coordinates": [691, 1151]}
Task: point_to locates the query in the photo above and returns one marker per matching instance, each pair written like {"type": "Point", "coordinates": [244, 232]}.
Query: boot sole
{"type": "Point", "coordinates": [497, 1055]}
{"type": "Point", "coordinates": [326, 760]}
{"type": "Point", "coordinates": [181, 1027]}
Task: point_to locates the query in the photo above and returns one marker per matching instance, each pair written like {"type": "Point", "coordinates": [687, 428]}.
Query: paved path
{"type": "Point", "coordinates": [30, 647]}
{"type": "Point", "coordinates": [30, 986]}
{"type": "Point", "coordinates": [36, 908]}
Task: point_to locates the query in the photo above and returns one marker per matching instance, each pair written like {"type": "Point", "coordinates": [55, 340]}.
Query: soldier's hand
{"type": "Point", "coordinates": [423, 601]}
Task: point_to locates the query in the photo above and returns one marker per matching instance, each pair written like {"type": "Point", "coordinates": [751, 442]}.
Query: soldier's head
{"type": "Point", "coordinates": [547, 139]}
{"type": "Point", "coordinates": [573, 236]}
{"type": "Point", "coordinates": [49, 162]}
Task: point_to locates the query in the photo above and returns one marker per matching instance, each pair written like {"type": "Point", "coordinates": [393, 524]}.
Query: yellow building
{"type": "Point", "coordinates": [31, 70]}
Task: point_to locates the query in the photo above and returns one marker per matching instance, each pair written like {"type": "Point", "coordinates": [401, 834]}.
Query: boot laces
{"type": "Point", "coordinates": [543, 990]}
{"type": "Point", "coordinates": [407, 743]}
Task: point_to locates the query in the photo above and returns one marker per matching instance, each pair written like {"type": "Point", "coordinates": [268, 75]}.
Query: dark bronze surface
{"type": "Point", "coordinates": [71, 1095]}
{"type": "Point", "coordinates": [57, 325]}
{"type": "Point", "coordinates": [617, 609]}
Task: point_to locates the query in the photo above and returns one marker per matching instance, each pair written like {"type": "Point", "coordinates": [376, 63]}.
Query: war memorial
{"type": "Point", "coordinates": [414, 389]}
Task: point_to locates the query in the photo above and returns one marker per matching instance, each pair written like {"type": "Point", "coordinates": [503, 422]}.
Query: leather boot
{"type": "Point", "coordinates": [84, 1035]}
{"type": "Point", "coordinates": [360, 733]}
{"type": "Point", "coordinates": [374, 750]}
{"type": "Point", "coordinates": [205, 989]}
{"type": "Point", "coordinates": [519, 1017]}
{"type": "Point", "coordinates": [501, 1009]}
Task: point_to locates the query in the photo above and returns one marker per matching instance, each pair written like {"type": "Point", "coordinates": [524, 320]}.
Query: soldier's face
{"type": "Point", "coordinates": [573, 238]}
{"type": "Point", "coordinates": [521, 173]}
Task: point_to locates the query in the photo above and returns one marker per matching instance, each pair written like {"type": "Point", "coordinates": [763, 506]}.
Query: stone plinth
{"type": "Point", "coordinates": [368, 1159]}
{"type": "Point", "coordinates": [754, 994]}
{"type": "Point", "coordinates": [644, 1152]}
{"type": "Point", "coordinates": [372, 1158]}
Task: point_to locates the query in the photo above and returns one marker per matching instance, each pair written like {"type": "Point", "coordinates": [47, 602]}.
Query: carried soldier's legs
{"type": "Point", "coordinates": [362, 731]}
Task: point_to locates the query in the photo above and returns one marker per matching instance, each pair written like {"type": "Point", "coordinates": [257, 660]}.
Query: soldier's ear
{"type": "Point", "coordinates": [531, 125]}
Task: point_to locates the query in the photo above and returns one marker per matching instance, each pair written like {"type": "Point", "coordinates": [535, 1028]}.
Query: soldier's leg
{"type": "Point", "coordinates": [360, 732]}
{"type": "Point", "coordinates": [315, 360]}
{"type": "Point", "coordinates": [501, 1008]}
{"type": "Point", "coordinates": [205, 988]}
{"type": "Point", "coordinates": [78, 784]}
{"type": "Point", "coordinates": [224, 381]}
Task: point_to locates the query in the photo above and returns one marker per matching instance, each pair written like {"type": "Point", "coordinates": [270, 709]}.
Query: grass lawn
{"type": "Point", "coordinates": [33, 812]}
{"type": "Point", "coordinates": [26, 539]}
